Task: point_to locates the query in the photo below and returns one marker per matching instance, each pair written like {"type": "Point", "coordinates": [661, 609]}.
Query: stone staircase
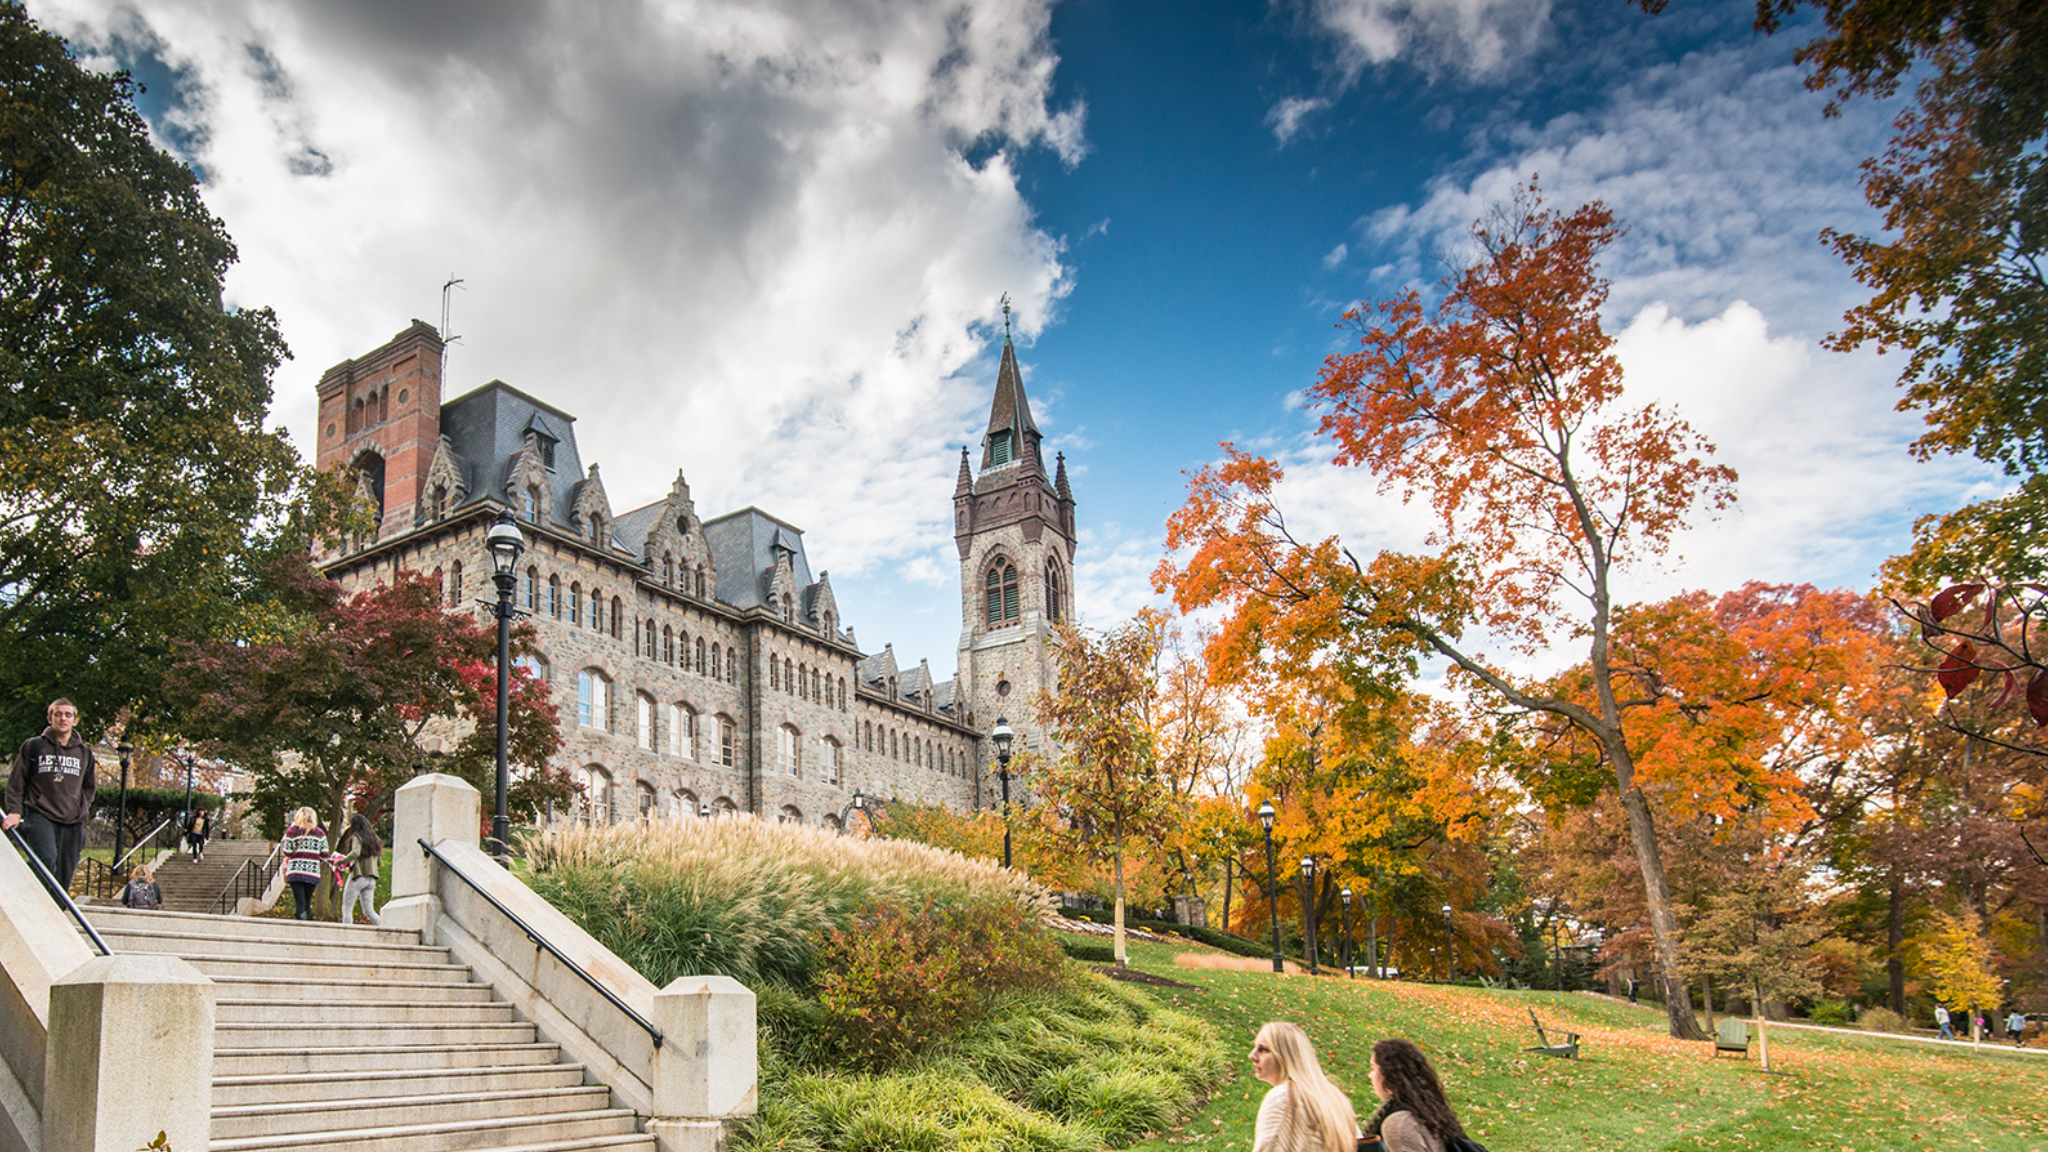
{"type": "Point", "coordinates": [333, 1038]}
{"type": "Point", "coordinates": [190, 887]}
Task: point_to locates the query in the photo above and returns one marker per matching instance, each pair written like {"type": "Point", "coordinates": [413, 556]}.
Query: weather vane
{"type": "Point", "coordinates": [1006, 315]}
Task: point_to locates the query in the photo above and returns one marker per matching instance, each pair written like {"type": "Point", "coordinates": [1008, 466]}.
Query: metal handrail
{"type": "Point", "coordinates": [137, 846]}
{"type": "Point", "coordinates": [540, 942]}
{"type": "Point", "coordinates": [224, 904]}
{"type": "Point", "coordinates": [57, 890]}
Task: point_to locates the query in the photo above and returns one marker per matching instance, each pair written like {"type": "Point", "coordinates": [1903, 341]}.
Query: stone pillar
{"type": "Point", "coordinates": [434, 808]}
{"type": "Point", "coordinates": [706, 1071]}
{"type": "Point", "coordinates": [131, 1055]}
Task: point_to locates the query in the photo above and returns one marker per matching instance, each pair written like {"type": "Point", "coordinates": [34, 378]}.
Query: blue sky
{"type": "Point", "coordinates": [763, 242]}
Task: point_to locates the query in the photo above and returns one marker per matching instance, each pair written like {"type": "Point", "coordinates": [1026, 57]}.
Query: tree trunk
{"type": "Point", "coordinates": [1372, 941]}
{"type": "Point", "coordinates": [1657, 894]}
{"type": "Point", "coordinates": [1895, 945]}
{"type": "Point", "coordinates": [1226, 893]}
{"type": "Point", "coordinates": [1122, 953]}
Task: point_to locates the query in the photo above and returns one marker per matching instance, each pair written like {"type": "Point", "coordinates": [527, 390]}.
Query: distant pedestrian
{"type": "Point", "coordinates": [142, 892]}
{"type": "Point", "coordinates": [362, 852]}
{"type": "Point", "coordinates": [1941, 1018]}
{"type": "Point", "coordinates": [1983, 1025]}
{"type": "Point", "coordinates": [304, 847]}
{"type": "Point", "coordinates": [1635, 988]}
{"type": "Point", "coordinates": [49, 793]}
{"type": "Point", "coordinates": [2016, 1026]}
{"type": "Point", "coordinates": [197, 832]}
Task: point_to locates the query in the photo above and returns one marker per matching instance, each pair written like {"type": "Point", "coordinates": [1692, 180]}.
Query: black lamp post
{"type": "Point", "coordinates": [1308, 911]}
{"type": "Point", "coordinates": [186, 815]}
{"type": "Point", "coordinates": [1450, 947]}
{"type": "Point", "coordinates": [505, 544]}
{"type": "Point", "coordinates": [1272, 883]}
{"type": "Point", "coordinates": [859, 803]}
{"type": "Point", "coordinates": [1223, 845]}
{"type": "Point", "coordinates": [1350, 961]}
{"type": "Point", "coordinates": [1002, 735]}
{"type": "Point", "coordinates": [703, 810]}
{"type": "Point", "coordinates": [121, 818]}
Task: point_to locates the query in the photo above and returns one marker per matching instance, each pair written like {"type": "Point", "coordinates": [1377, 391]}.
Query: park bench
{"type": "Point", "coordinates": [1731, 1034]}
{"type": "Point", "coordinates": [1569, 1050]}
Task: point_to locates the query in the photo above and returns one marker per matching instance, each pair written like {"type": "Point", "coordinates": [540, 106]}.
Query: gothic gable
{"type": "Point", "coordinates": [447, 484]}
{"type": "Point", "coordinates": [527, 482]}
{"type": "Point", "coordinates": [778, 586]}
{"type": "Point", "coordinates": [676, 550]}
{"type": "Point", "coordinates": [821, 609]}
{"type": "Point", "coordinates": [589, 511]}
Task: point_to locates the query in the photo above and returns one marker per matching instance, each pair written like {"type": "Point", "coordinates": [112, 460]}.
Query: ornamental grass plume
{"type": "Point", "coordinates": [740, 897]}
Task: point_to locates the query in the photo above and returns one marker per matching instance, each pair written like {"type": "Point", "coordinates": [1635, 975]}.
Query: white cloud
{"type": "Point", "coordinates": [1335, 256]}
{"type": "Point", "coordinates": [740, 238]}
{"type": "Point", "coordinates": [1472, 36]}
{"type": "Point", "coordinates": [1285, 117]}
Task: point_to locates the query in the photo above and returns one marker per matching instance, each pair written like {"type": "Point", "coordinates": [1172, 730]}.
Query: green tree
{"type": "Point", "coordinates": [1754, 937]}
{"type": "Point", "coordinates": [135, 470]}
{"type": "Point", "coordinates": [1106, 788]}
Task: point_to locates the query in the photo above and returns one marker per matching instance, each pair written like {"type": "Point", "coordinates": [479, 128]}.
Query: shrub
{"type": "Point", "coordinates": [1831, 1012]}
{"type": "Point", "coordinates": [1089, 952]}
{"type": "Point", "coordinates": [1215, 938]}
{"type": "Point", "coordinates": [903, 978]}
{"type": "Point", "coordinates": [739, 897]}
{"type": "Point", "coordinates": [1880, 1020]}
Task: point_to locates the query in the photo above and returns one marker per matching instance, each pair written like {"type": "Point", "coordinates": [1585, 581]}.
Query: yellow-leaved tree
{"type": "Point", "coordinates": [1955, 960]}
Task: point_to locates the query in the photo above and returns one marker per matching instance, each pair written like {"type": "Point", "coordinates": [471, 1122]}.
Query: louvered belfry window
{"type": "Point", "coordinates": [1002, 593]}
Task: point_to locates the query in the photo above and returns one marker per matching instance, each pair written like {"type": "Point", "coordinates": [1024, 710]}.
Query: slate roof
{"type": "Point", "coordinates": [743, 548]}
{"type": "Point", "coordinates": [487, 428]}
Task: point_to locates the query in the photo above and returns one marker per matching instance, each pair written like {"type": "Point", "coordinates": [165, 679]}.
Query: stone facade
{"type": "Point", "coordinates": [697, 664]}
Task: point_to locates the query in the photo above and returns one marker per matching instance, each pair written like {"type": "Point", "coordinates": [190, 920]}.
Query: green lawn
{"type": "Point", "coordinates": [1634, 1088]}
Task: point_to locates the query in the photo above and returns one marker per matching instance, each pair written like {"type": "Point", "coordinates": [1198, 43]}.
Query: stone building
{"type": "Point", "coordinates": [701, 663]}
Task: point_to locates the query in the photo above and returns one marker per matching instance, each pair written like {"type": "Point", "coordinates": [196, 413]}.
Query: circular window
{"type": "Point", "coordinates": [402, 394]}
{"type": "Point", "coordinates": [330, 431]}
{"type": "Point", "coordinates": [1002, 687]}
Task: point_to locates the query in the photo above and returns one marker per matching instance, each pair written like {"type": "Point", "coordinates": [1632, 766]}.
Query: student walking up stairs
{"type": "Point", "coordinates": [190, 887]}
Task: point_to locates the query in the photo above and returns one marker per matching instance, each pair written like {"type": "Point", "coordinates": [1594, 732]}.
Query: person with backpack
{"type": "Point", "coordinates": [304, 847]}
{"type": "Point", "coordinates": [361, 852]}
{"type": "Point", "coordinates": [1303, 1111]}
{"type": "Point", "coordinates": [142, 892]}
{"type": "Point", "coordinates": [49, 793]}
{"type": "Point", "coordinates": [1941, 1018]}
{"type": "Point", "coordinates": [2016, 1027]}
{"type": "Point", "coordinates": [1414, 1115]}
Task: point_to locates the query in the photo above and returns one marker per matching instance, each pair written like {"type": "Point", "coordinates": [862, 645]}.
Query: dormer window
{"type": "Point", "coordinates": [547, 451]}
{"type": "Point", "coordinates": [1000, 450]}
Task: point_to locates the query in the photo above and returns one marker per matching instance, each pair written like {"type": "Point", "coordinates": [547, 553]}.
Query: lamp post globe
{"type": "Point", "coordinates": [1450, 946]}
{"type": "Point", "coordinates": [1002, 735]}
{"type": "Point", "coordinates": [1272, 883]}
{"type": "Point", "coordinates": [504, 543]}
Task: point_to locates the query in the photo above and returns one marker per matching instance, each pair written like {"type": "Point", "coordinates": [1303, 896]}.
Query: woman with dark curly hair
{"type": "Point", "coordinates": [1413, 1115]}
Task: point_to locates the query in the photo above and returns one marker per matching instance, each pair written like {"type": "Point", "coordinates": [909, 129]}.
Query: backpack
{"type": "Point", "coordinates": [1464, 1144]}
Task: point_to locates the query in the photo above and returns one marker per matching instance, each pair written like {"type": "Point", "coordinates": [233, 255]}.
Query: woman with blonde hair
{"type": "Point", "coordinates": [1303, 1111]}
{"type": "Point", "coordinates": [305, 848]}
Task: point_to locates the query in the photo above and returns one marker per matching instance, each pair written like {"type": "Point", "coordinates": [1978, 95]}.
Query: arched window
{"type": "Point", "coordinates": [618, 610]}
{"type": "Point", "coordinates": [717, 658]}
{"type": "Point", "coordinates": [597, 529]}
{"type": "Point", "coordinates": [643, 727]}
{"type": "Point", "coordinates": [817, 693]}
{"type": "Point", "coordinates": [647, 639]}
{"type": "Point", "coordinates": [555, 597]}
{"type": "Point", "coordinates": [597, 610]}
{"type": "Point", "coordinates": [788, 609]}
{"type": "Point", "coordinates": [789, 676]}
{"type": "Point", "coordinates": [828, 761]}
{"type": "Point", "coordinates": [790, 814]}
{"type": "Point", "coordinates": [732, 666]}
{"type": "Point", "coordinates": [533, 505]}
{"type": "Point", "coordinates": [700, 658]}
{"type": "Point", "coordinates": [787, 747]}
{"type": "Point", "coordinates": [725, 741]}
{"type": "Point", "coordinates": [682, 804]}
{"type": "Point", "coordinates": [1001, 587]}
{"type": "Point", "coordinates": [533, 589]}
{"type": "Point", "coordinates": [646, 798]}
{"type": "Point", "coordinates": [593, 700]}
{"type": "Point", "coordinates": [1052, 591]}
{"type": "Point", "coordinates": [682, 731]}
{"type": "Point", "coordinates": [774, 673]}
{"type": "Point", "coordinates": [440, 501]}
{"type": "Point", "coordinates": [534, 665]}
{"type": "Point", "coordinates": [668, 646]}
{"type": "Point", "coordinates": [576, 604]}
{"type": "Point", "coordinates": [668, 570]}
{"type": "Point", "coordinates": [700, 583]}
{"type": "Point", "coordinates": [894, 748]}
{"type": "Point", "coordinates": [597, 795]}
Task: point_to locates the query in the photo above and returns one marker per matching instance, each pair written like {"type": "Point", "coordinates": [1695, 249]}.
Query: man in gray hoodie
{"type": "Point", "coordinates": [49, 794]}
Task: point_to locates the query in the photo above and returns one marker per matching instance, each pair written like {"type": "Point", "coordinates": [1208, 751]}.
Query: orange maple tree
{"type": "Point", "coordinates": [1501, 408]}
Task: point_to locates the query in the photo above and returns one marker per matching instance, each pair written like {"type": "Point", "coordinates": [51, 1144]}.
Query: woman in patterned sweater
{"type": "Point", "coordinates": [305, 849]}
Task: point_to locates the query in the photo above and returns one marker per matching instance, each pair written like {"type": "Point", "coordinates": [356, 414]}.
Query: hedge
{"type": "Point", "coordinates": [1215, 938]}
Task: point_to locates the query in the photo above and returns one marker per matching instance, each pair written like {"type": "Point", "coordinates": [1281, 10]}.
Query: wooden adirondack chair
{"type": "Point", "coordinates": [1731, 1034]}
{"type": "Point", "coordinates": [1569, 1049]}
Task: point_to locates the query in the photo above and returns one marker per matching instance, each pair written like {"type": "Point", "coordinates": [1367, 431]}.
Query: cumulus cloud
{"type": "Point", "coordinates": [760, 242]}
{"type": "Point", "coordinates": [1472, 38]}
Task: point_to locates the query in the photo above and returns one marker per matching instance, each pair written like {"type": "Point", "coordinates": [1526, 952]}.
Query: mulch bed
{"type": "Point", "coordinates": [1133, 976]}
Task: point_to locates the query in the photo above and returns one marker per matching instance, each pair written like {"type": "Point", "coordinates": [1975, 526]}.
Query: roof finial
{"type": "Point", "coordinates": [1006, 317]}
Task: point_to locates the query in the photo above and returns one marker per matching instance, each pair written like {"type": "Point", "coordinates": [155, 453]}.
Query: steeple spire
{"type": "Point", "coordinates": [965, 484]}
{"type": "Point", "coordinates": [1012, 435]}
